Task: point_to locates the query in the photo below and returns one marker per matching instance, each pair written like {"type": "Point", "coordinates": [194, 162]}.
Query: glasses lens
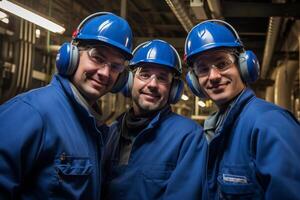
{"type": "Point", "coordinates": [146, 75]}
{"type": "Point", "coordinates": [97, 57]}
{"type": "Point", "coordinates": [220, 61]}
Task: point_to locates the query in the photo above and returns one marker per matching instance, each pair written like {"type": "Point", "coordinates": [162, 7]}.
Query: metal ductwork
{"type": "Point", "coordinates": [215, 8]}
{"type": "Point", "coordinates": [285, 77]}
{"type": "Point", "coordinates": [23, 59]}
{"type": "Point", "coordinates": [181, 14]}
{"type": "Point", "coordinates": [198, 9]}
{"type": "Point", "coordinates": [273, 31]}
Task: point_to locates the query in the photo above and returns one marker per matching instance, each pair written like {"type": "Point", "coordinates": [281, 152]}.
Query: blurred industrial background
{"type": "Point", "coordinates": [271, 28]}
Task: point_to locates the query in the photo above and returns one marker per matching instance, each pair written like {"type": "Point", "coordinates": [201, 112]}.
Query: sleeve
{"type": "Point", "coordinates": [20, 142]}
{"type": "Point", "coordinates": [277, 155]}
{"type": "Point", "coordinates": [187, 179]}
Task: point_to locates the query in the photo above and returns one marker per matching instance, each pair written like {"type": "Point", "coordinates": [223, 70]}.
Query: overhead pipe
{"type": "Point", "coordinates": [183, 17]}
{"type": "Point", "coordinates": [273, 31]}
{"type": "Point", "coordinates": [181, 14]}
{"type": "Point", "coordinates": [284, 82]}
{"type": "Point", "coordinates": [215, 8]}
{"type": "Point", "coordinates": [124, 8]}
{"type": "Point", "coordinates": [269, 96]}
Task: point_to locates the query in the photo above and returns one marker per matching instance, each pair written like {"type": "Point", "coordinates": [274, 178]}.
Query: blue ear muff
{"type": "Point", "coordinates": [249, 66]}
{"type": "Point", "coordinates": [176, 91]}
{"type": "Point", "coordinates": [67, 59]}
{"type": "Point", "coordinates": [120, 82]}
{"type": "Point", "coordinates": [126, 90]}
{"type": "Point", "coordinates": [193, 84]}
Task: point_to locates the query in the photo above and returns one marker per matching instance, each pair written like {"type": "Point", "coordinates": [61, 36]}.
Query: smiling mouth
{"type": "Point", "coordinates": [218, 88]}
{"type": "Point", "coordinates": [99, 83]}
{"type": "Point", "coordinates": [151, 96]}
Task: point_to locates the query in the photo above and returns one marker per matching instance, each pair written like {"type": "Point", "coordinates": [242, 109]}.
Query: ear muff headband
{"type": "Point", "coordinates": [87, 19]}
{"type": "Point", "coordinates": [122, 78]}
{"type": "Point", "coordinates": [177, 84]}
{"type": "Point", "coordinates": [230, 28]}
{"type": "Point", "coordinates": [67, 58]}
{"type": "Point", "coordinates": [227, 25]}
{"type": "Point", "coordinates": [247, 63]}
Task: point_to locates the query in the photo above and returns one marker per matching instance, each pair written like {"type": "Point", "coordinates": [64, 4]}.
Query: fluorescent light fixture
{"type": "Point", "coordinates": [3, 15]}
{"type": "Point", "coordinates": [30, 16]}
{"type": "Point", "coordinates": [37, 33]}
{"type": "Point", "coordinates": [5, 20]}
{"type": "Point", "coordinates": [184, 97]}
{"type": "Point", "coordinates": [201, 104]}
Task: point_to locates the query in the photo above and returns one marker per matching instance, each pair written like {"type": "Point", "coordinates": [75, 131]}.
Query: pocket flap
{"type": "Point", "coordinates": [70, 165]}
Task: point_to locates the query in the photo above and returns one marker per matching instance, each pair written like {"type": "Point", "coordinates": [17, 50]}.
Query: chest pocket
{"type": "Point", "coordinates": [72, 176]}
{"type": "Point", "coordinates": [157, 173]}
{"type": "Point", "coordinates": [138, 182]}
{"type": "Point", "coordinates": [154, 179]}
{"type": "Point", "coordinates": [237, 183]}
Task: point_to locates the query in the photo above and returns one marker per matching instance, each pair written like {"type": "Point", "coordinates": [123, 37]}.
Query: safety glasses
{"type": "Point", "coordinates": [95, 55]}
{"type": "Point", "coordinates": [145, 74]}
{"type": "Point", "coordinates": [219, 60]}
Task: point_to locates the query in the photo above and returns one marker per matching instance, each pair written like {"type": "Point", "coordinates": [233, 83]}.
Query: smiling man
{"type": "Point", "coordinates": [51, 137]}
{"type": "Point", "coordinates": [153, 153]}
{"type": "Point", "coordinates": [253, 145]}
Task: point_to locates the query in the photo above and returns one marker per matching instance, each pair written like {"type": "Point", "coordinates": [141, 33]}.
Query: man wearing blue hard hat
{"type": "Point", "coordinates": [51, 137]}
{"type": "Point", "coordinates": [253, 148]}
{"type": "Point", "coordinates": [153, 153]}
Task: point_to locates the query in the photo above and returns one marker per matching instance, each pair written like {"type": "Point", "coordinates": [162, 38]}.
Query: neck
{"type": "Point", "coordinates": [224, 105]}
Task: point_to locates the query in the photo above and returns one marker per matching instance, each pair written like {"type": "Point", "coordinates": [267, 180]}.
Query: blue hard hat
{"type": "Point", "coordinates": [208, 35]}
{"type": "Point", "coordinates": [158, 52]}
{"type": "Point", "coordinates": [107, 28]}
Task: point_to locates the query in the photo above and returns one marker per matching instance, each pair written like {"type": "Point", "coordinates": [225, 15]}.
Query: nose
{"type": "Point", "coordinates": [153, 81]}
{"type": "Point", "coordinates": [214, 73]}
{"type": "Point", "coordinates": [104, 69]}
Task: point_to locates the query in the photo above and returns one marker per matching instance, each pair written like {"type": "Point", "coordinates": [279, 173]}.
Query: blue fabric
{"type": "Point", "coordinates": [255, 153]}
{"type": "Point", "coordinates": [49, 146]}
{"type": "Point", "coordinates": [165, 161]}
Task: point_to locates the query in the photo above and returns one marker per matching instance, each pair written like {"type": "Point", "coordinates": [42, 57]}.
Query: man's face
{"type": "Point", "coordinates": [218, 75]}
{"type": "Point", "coordinates": [151, 88]}
{"type": "Point", "coordinates": [97, 71]}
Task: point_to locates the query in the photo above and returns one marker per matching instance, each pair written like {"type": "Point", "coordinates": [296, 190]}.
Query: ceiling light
{"type": "Point", "coordinates": [37, 33]}
{"type": "Point", "coordinates": [5, 20]}
{"type": "Point", "coordinates": [184, 97]}
{"type": "Point", "coordinates": [30, 16]}
{"type": "Point", "coordinates": [3, 15]}
{"type": "Point", "coordinates": [201, 104]}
